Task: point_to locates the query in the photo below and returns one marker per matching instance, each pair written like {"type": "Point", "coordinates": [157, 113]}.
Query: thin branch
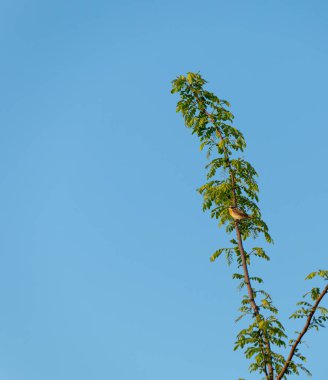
{"type": "Point", "coordinates": [251, 297]}
{"type": "Point", "coordinates": [268, 362]}
{"type": "Point", "coordinates": [302, 333]}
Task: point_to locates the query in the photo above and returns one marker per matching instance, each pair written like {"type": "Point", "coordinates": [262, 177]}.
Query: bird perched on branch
{"type": "Point", "coordinates": [238, 214]}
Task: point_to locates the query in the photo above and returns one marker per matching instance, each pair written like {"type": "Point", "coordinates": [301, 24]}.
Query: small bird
{"type": "Point", "coordinates": [238, 214]}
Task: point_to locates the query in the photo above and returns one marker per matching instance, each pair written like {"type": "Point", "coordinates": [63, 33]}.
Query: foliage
{"type": "Point", "coordinates": [231, 181]}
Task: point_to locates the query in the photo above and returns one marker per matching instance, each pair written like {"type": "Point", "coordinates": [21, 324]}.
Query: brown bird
{"type": "Point", "coordinates": [238, 214]}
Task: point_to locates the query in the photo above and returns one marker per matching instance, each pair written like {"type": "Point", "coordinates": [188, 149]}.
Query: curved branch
{"type": "Point", "coordinates": [302, 333]}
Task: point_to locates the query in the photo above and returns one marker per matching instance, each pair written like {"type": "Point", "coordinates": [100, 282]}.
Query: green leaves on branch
{"type": "Point", "coordinates": [228, 252]}
{"type": "Point", "coordinates": [310, 299]}
{"type": "Point", "coordinates": [251, 341]}
{"type": "Point", "coordinates": [320, 273]}
{"type": "Point", "coordinates": [232, 181]}
{"type": "Point", "coordinates": [259, 252]}
{"type": "Point", "coordinates": [206, 114]}
{"type": "Point", "coordinates": [210, 119]}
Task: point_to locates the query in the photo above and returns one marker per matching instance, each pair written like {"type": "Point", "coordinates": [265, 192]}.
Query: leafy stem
{"type": "Point", "coordinates": [267, 367]}
{"type": "Point", "coordinates": [210, 119]}
{"type": "Point", "coordinates": [302, 333]}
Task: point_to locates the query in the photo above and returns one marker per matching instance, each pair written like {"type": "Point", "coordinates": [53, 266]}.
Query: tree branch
{"type": "Point", "coordinates": [302, 333]}
{"type": "Point", "coordinates": [268, 362]}
{"type": "Point", "coordinates": [251, 297]}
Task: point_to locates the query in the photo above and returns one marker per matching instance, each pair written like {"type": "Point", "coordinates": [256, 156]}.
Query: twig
{"type": "Point", "coordinates": [302, 333]}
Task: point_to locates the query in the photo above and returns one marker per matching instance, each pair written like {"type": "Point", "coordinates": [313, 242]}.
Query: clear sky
{"type": "Point", "coordinates": [104, 259]}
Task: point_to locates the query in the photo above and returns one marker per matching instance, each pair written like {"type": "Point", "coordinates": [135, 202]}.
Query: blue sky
{"type": "Point", "coordinates": [104, 264]}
